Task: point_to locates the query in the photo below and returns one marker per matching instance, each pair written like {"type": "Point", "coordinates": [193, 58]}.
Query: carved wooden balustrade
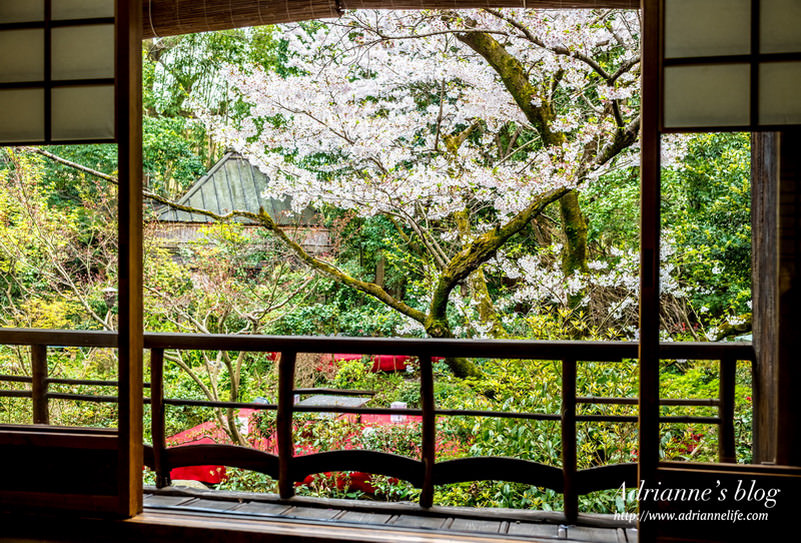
{"type": "Point", "coordinates": [425, 473]}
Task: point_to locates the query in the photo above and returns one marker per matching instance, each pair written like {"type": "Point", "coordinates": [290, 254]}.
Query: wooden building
{"type": "Point", "coordinates": [233, 184]}
{"type": "Point", "coordinates": [67, 484]}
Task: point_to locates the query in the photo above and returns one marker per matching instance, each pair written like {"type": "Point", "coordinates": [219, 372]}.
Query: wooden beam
{"type": "Point", "coordinates": [173, 17]}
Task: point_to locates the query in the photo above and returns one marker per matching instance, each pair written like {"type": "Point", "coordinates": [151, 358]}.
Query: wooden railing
{"type": "Point", "coordinates": [424, 473]}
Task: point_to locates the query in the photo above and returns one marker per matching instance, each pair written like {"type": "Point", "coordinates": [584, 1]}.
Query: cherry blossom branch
{"type": "Point", "coordinates": [483, 248]}
{"type": "Point", "coordinates": [557, 49]}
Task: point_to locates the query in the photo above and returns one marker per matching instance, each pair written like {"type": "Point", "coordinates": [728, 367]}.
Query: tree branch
{"type": "Point", "coordinates": [479, 251]}
{"type": "Point", "coordinates": [559, 50]}
{"type": "Point", "coordinates": [513, 74]}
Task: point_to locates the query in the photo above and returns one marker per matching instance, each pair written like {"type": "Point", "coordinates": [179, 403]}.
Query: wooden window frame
{"type": "Point", "coordinates": [112, 459]}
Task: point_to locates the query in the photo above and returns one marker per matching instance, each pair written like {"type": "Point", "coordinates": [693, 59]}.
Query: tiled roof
{"type": "Point", "coordinates": [233, 184]}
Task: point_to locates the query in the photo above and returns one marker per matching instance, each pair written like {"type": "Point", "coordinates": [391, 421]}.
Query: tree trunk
{"type": "Point", "coordinates": [477, 284]}
{"type": "Point", "coordinates": [460, 367]}
{"type": "Point", "coordinates": [574, 227]}
{"type": "Point", "coordinates": [380, 270]}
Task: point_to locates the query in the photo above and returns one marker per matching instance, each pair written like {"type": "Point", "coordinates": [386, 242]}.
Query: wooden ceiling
{"type": "Point", "coordinates": [172, 17]}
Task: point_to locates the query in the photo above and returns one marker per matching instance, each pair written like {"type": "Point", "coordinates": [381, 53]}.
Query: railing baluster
{"type": "Point", "coordinates": [41, 413]}
{"type": "Point", "coordinates": [726, 449]}
{"type": "Point", "coordinates": [283, 422]}
{"type": "Point", "coordinates": [569, 439]}
{"type": "Point", "coordinates": [428, 430]}
{"type": "Point", "coordinates": [157, 414]}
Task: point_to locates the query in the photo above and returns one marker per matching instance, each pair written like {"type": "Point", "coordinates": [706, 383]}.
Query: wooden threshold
{"type": "Point", "coordinates": [171, 525]}
{"type": "Point", "coordinates": [315, 519]}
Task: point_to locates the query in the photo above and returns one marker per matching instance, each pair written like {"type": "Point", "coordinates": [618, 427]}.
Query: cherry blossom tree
{"type": "Point", "coordinates": [459, 127]}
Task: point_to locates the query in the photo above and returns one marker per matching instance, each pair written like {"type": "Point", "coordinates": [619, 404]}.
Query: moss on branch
{"type": "Point", "coordinates": [574, 225]}
{"type": "Point", "coordinates": [513, 74]}
{"type": "Point", "coordinates": [482, 249]}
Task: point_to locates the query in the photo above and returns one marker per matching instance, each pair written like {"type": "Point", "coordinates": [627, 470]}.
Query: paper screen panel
{"type": "Point", "coordinates": [83, 113]}
{"type": "Point", "coordinates": [706, 96]}
{"type": "Point", "coordinates": [21, 55]}
{"type": "Point", "coordinates": [698, 28]}
{"type": "Point", "coordinates": [82, 9]}
{"type": "Point", "coordinates": [21, 11]}
{"type": "Point", "coordinates": [83, 52]}
{"type": "Point", "coordinates": [780, 93]}
{"type": "Point", "coordinates": [21, 115]}
{"type": "Point", "coordinates": [780, 26]}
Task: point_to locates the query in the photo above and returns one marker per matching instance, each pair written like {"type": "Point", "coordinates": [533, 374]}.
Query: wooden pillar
{"type": "Point", "coordinates": [788, 369]}
{"type": "Point", "coordinates": [764, 269]}
{"type": "Point", "coordinates": [650, 226]}
{"type": "Point", "coordinates": [130, 335]}
{"type": "Point", "coordinates": [776, 223]}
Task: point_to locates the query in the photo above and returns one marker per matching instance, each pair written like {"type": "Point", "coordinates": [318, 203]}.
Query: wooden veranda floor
{"type": "Point", "coordinates": [378, 521]}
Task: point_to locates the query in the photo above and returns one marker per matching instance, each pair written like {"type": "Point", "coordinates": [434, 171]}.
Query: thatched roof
{"type": "Point", "coordinates": [233, 184]}
{"type": "Point", "coordinates": [170, 17]}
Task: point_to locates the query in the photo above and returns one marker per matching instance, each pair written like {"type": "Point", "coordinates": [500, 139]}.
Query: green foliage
{"type": "Point", "coordinates": [699, 443]}
{"type": "Point", "coordinates": [403, 439]}
{"type": "Point", "coordinates": [170, 160]}
{"type": "Point", "coordinates": [708, 213]}
{"type": "Point", "coordinates": [351, 373]}
{"type": "Point", "coordinates": [612, 205]}
{"type": "Point", "coordinates": [338, 310]}
{"type": "Point", "coordinates": [241, 480]}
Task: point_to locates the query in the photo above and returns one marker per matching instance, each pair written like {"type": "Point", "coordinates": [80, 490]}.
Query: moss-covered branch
{"type": "Point", "coordinates": [479, 251]}
{"type": "Point", "coordinates": [513, 74]}
{"type": "Point", "coordinates": [324, 267]}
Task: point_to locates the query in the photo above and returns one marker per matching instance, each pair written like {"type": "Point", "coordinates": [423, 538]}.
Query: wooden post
{"type": "Point", "coordinates": [788, 370]}
{"type": "Point", "coordinates": [157, 413]}
{"type": "Point", "coordinates": [726, 450]}
{"type": "Point", "coordinates": [776, 236]}
{"type": "Point", "coordinates": [283, 422]}
{"type": "Point", "coordinates": [650, 226]}
{"type": "Point", "coordinates": [41, 413]}
{"type": "Point", "coordinates": [765, 284]}
{"type": "Point", "coordinates": [429, 430]}
{"type": "Point", "coordinates": [128, 130]}
{"type": "Point", "coordinates": [569, 456]}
